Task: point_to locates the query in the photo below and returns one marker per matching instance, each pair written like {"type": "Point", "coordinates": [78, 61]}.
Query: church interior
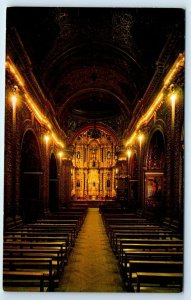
{"type": "Point", "coordinates": [94, 150]}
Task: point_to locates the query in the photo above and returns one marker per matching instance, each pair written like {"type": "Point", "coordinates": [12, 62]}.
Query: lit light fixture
{"type": "Point", "coordinates": [146, 117]}
{"type": "Point", "coordinates": [173, 98]}
{"type": "Point", "coordinates": [13, 96]}
{"type": "Point", "coordinates": [14, 101]}
{"type": "Point", "coordinates": [60, 154]}
{"type": "Point", "coordinates": [129, 152]}
{"type": "Point", "coordinates": [31, 104]}
{"type": "Point", "coordinates": [46, 138]}
{"type": "Point", "coordinates": [140, 138]}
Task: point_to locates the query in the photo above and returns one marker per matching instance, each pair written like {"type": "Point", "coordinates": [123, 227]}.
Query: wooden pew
{"type": "Point", "coordinates": [151, 266]}
{"type": "Point", "coordinates": [70, 232]}
{"type": "Point", "coordinates": [119, 215]}
{"type": "Point", "coordinates": [117, 236]}
{"type": "Point", "coordinates": [52, 227]}
{"type": "Point", "coordinates": [112, 210]}
{"type": "Point", "coordinates": [63, 222]}
{"type": "Point", "coordinates": [69, 215]}
{"type": "Point", "coordinates": [54, 253]}
{"type": "Point", "coordinates": [123, 243]}
{"type": "Point", "coordinates": [44, 239]}
{"type": "Point", "coordinates": [123, 221]}
{"type": "Point", "coordinates": [134, 226]}
{"type": "Point", "coordinates": [66, 235]}
{"type": "Point", "coordinates": [21, 278]}
{"type": "Point", "coordinates": [168, 247]}
{"type": "Point", "coordinates": [150, 244]}
{"type": "Point", "coordinates": [37, 245]}
{"type": "Point", "coordinates": [148, 255]}
{"type": "Point", "coordinates": [44, 265]}
{"type": "Point", "coordinates": [158, 279]}
{"type": "Point", "coordinates": [137, 232]}
{"type": "Point", "coordinates": [122, 218]}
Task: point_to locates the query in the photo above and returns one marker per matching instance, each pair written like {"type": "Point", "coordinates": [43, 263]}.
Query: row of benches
{"type": "Point", "coordinates": [34, 255]}
{"type": "Point", "coordinates": [150, 256]}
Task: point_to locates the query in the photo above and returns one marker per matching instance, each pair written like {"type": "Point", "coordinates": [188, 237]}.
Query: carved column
{"type": "Point", "coordinates": [9, 193]}
{"type": "Point", "coordinates": [177, 150]}
{"type": "Point", "coordinates": [173, 150]}
{"type": "Point", "coordinates": [65, 182]}
{"type": "Point", "coordinates": [45, 157]}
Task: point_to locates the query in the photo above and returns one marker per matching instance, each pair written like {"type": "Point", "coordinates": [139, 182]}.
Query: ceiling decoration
{"type": "Point", "coordinates": [95, 64]}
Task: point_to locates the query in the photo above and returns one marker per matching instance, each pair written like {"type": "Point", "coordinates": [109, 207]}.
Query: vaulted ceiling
{"type": "Point", "coordinates": [95, 64]}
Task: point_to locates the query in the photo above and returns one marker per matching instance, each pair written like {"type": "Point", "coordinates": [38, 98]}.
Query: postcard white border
{"type": "Point", "coordinates": [185, 4]}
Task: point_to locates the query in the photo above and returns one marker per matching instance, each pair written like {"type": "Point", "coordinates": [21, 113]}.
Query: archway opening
{"type": "Point", "coordinates": [30, 172]}
{"type": "Point", "coordinates": [154, 174]}
{"type": "Point", "coordinates": [53, 184]}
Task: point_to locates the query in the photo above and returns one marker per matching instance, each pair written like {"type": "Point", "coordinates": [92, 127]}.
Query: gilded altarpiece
{"type": "Point", "coordinates": [93, 167]}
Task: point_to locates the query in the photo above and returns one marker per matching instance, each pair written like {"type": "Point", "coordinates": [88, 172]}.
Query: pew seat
{"type": "Point", "coordinates": [164, 282]}
{"type": "Point", "coordinates": [33, 281]}
{"type": "Point", "coordinates": [151, 266]}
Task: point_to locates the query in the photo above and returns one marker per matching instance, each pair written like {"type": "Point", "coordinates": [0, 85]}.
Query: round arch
{"type": "Point", "coordinates": [99, 126]}
{"type": "Point", "coordinates": [30, 178]}
{"type": "Point", "coordinates": [154, 171]}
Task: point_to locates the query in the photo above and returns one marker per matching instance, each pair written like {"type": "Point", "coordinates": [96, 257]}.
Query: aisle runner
{"type": "Point", "coordinates": [92, 266]}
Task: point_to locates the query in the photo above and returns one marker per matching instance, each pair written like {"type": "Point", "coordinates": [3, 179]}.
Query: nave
{"type": "Point", "coordinates": [94, 149]}
{"type": "Point", "coordinates": [100, 250]}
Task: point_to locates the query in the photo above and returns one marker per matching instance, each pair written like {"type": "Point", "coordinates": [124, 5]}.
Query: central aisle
{"type": "Point", "coordinates": [92, 266]}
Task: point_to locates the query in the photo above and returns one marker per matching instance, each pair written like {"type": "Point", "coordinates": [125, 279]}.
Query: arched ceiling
{"type": "Point", "coordinates": [94, 64]}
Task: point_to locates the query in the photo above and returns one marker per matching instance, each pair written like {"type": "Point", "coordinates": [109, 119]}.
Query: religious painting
{"type": "Point", "coordinates": [153, 188]}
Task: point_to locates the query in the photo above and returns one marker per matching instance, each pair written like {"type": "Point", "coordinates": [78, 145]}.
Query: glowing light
{"type": "Point", "coordinates": [40, 117]}
{"type": "Point", "coordinates": [43, 119]}
{"type": "Point", "coordinates": [140, 138]}
{"type": "Point", "coordinates": [129, 152]}
{"type": "Point", "coordinates": [60, 154]}
{"type": "Point", "coordinates": [46, 138]}
{"type": "Point", "coordinates": [147, 116]}
{"type": "Point", "coordinates": [173, 98]}
{"type": "Point", "coordinates": [9, 65]}
{"type": "Point", "coordinates": [175, 68]}
{"type": "Point", "coordinates": [131, 139]}
{"type": "Point", "coordinates": [14, 101]}
{"type": "Point", "coordinates": [29, 102]}
{"type": "Point", "coordinates": [57, 141]}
